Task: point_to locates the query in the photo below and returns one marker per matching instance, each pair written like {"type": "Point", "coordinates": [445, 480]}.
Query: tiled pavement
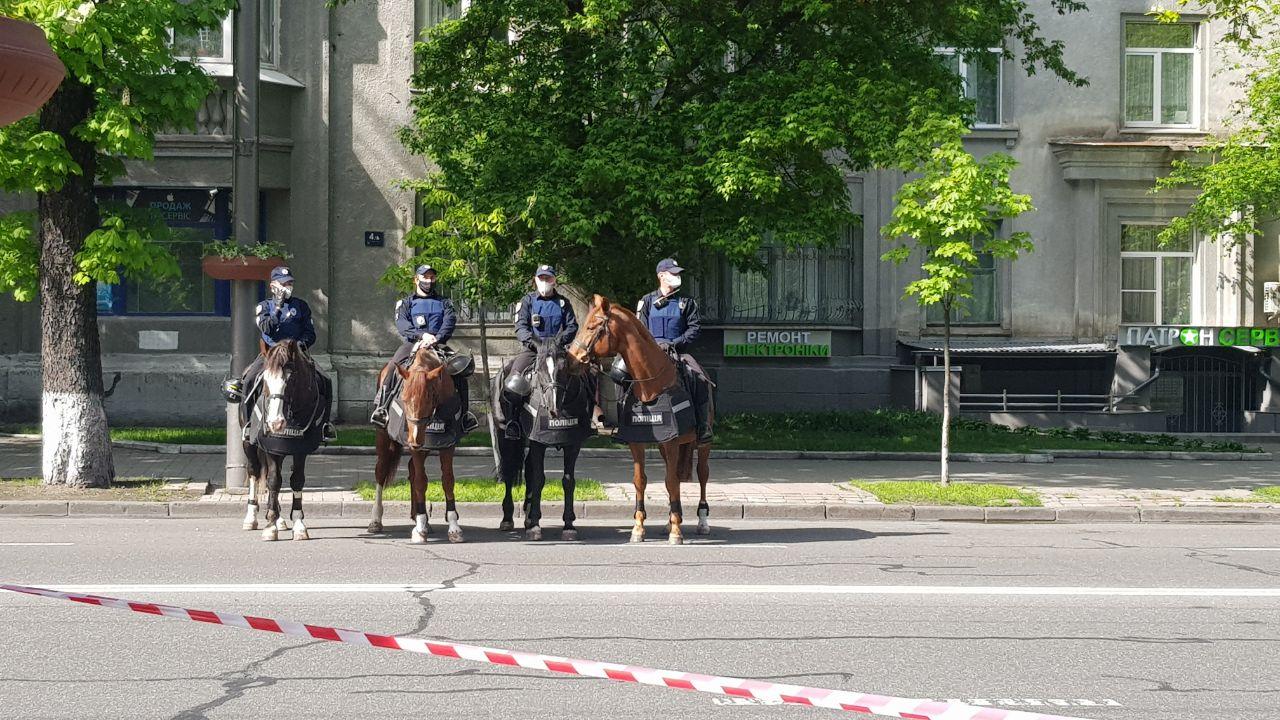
{"type": "Point", "coordinates": [1074, 484]}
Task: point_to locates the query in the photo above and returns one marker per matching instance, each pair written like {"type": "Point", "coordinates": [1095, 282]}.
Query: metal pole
{"type": "Point", "coordinates": [244, 196]}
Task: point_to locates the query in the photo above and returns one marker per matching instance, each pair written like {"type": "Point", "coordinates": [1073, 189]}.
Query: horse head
{"type": "Point", "coordinates": [557, 374]}
{"type": "Point", "coordinates": [290, 383]}
{"type": "Point", "coordinates": [427, 386]}
{"type": "Point", "coordinates": [596, 338]}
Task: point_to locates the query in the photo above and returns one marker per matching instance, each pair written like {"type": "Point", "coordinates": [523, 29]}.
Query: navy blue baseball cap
{"type": "Point", "coordinates": [281, 275]}
{"type": "Point", "coordinates": [424, 269]}
{"type": "Point", "coordinates": [546, 270]}
{"type": "Point", "coordinates": [669, 265]}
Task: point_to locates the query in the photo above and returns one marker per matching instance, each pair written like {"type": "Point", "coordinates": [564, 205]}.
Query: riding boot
{"type": "Point", "coordinates": [702, 420]}
{"type": "Point", "coordinates": [469, 420]}
{"type": "Point", "coordinates": [511, 417]}
{"type": "Point", "coordinates": [382, 402]}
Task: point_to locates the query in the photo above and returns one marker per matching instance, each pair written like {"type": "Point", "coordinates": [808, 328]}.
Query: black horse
{"type": "Point", "coordinates": [560, 400]}
{"type": "Point", "coordinates": [284, 421]}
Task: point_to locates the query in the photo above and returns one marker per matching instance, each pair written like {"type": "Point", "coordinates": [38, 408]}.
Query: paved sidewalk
{"type": "Point", "coordinates": [1070, 483]}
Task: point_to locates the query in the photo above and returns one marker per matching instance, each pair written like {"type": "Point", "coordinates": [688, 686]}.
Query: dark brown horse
{"type": "Point", "coordinates": [427, 387]}
{"type": "Point", "coordinates": [611, 330]}
{"type": "Point", "coordinates": [291, 390]}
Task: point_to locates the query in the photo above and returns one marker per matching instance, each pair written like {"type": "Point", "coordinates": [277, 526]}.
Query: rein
{"type": "Point", "coordinates": [588, 348]}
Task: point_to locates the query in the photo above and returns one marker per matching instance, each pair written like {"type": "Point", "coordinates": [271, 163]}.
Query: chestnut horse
{"type": "Point", "coordinates": [427, 387]}
{"type": "Point", "coordinates": [611, 330]}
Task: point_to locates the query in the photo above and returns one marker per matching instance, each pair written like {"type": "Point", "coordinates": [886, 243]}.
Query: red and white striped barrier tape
{"type": "Point", "coordinates": [880, 705]}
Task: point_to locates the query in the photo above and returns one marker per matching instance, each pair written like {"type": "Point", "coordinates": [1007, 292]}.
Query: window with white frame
{"type": "Point", "coordinates": [983, 307]}
{"type": "Point", "coordinates": [1161, 74]}
{"type": "Point", "coordinates": [429, 13]}
{"type": "Point", "coordinates": [1155, 279]}
{"type": "Point", "coordinates": [214, 44]}
{"type": "Point", "coordinates": [981, 78]}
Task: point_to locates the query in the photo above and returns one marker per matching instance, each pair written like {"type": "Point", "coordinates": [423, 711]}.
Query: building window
{"type": "Point", "coordinates": [1155, 279]}
{"type": "Point", "coordinates": [195, 217]}
{"type": "Point", "coordinates": [430, 13]}
{"type": "Point", "coordinates": [806, 285]}
{"type": "Point", "coordinates": [981, 78]}
{"type": "Point", "coordinates": [981, 309]}
{"type": "Point", "coordinates": [214, 45]}
{"type": "Point", "coordinates": [1161, 74]}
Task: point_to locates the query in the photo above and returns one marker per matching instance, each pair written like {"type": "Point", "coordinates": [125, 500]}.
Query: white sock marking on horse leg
{"type": "Point", "coordinates": [419, 534]}
{"type": "Point", "coordinates": [455, 530]}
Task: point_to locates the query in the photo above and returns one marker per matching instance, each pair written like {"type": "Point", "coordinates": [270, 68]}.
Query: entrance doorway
{"type": "Point", "coordinates": [1206, 389]}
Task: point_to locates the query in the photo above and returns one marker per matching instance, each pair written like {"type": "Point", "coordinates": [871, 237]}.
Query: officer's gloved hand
{"type": "Point", "coordinates": [428, 339]}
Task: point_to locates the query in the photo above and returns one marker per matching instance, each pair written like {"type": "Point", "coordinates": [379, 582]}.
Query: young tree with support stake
{"type": "Point", "coordinates": [949, 217]}
{"type": "Point", "coordinates": [123, 85]}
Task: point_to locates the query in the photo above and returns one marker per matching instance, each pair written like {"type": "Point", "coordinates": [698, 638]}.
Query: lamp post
{"type": "Point", "coordinates": [244, 198]}
{"type": "Point", "coordinates": [31, 69]}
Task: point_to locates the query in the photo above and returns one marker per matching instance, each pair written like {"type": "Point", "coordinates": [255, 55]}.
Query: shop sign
{"type": "Point", "coordinates": [777, 343]}
{"type": "Point", "coordinates": [1211, 336]}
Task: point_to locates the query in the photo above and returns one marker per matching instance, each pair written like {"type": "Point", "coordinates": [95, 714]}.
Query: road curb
{"type": "Point", "coordinates": [613, 510]}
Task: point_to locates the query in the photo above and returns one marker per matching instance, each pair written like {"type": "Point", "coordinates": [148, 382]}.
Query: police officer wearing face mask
{"type": "Point", "coordinates": [282, 317]}
{"type": "Point", "coordinates": [673, 321]}
{"type": "Point", "coordinates": [427, 317]}
{"type": "Point", "coordinates": [542, 315]}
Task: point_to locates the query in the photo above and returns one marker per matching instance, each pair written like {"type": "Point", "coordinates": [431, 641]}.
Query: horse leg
{"type": "Point", "coordinates": [640, 481]}
{"type": "Point", "coordinates": [297, 479]}
{"type": "Point", "coordinates": [704, 473]}
{"type": "Point", "coordinates": [569, 482]}
{"type": "Point", "coordinates": [256, 482]}
{"type": "Point", "coordinates": [671, 454]}
{"type": "Point", "coordinates": [274, 480]}
{"type": "Point", "coordinates": [450, 505]}
{"type": "Point", "coordinates": [508, 469]}
{"type": "Point", "coordinates": [384, 472]}
{"type": "Point", "coordinates": [535, 479]}
{"type": "Point", "coordinates": [418, 496]}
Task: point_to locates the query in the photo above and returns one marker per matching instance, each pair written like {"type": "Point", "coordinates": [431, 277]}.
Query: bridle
{"type": "Point", "coordinates": [603, 332]}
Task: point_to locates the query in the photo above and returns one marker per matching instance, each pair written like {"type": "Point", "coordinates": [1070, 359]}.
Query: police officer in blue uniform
{"type": "Point", "coordinates": [542, 315]}
{"type": "Point", "coordinates": [673, 321]}
{"type": "Point", "coordinates": [282, 317]}
{"type": "Point", "coordinates": [424, 315]}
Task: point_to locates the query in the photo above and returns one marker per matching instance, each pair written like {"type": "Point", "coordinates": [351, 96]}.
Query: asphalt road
{"type": "Point", "coordinates": [958, 623]}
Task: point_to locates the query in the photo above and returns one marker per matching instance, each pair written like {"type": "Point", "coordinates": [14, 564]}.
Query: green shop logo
{"type": "Point", "coordinates": [1162, 336]}
{"type": "Point", "coordinates": [777, 343]}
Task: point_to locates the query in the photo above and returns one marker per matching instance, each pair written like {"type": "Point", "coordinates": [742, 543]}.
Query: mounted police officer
{"type": "Point", "coordinates": [427, 317]}
{"type": "Point", "coordinates": [282, 317]}
{"type": "Point", "coordinates": [542, 315]}
{"type": "Point", "coordinates": [673, 321]}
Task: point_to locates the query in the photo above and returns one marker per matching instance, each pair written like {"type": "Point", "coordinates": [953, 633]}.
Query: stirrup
{"type": "Point", "coordinates": [328, 433]}
{"type": "Point", "coordinates": [378, 417]}
{"type": "Point", "coordinates": [232, 391]}
{"type": "Point", "coordinates": [469, 422]}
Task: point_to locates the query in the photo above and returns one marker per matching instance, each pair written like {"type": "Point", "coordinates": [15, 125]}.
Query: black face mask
{"type": "Point", "coordinates": [425, 286]}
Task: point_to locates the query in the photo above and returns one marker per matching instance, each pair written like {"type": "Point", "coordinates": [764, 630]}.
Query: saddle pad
{"type": "Point", "coordinates": [442, 431]}
{"type": "Point", "coordinates": [290, 440]}
{"type": "Point", "coordinates": [669, 416]}
{"type": "Point", "coordinates": [571, 428]}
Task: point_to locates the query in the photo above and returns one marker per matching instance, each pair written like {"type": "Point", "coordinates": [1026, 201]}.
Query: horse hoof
{"type": "Point", "coordinates": [271, 534]}
{"type": "Point", "coordinates": [704, 528]}
{"type": "Point", "coordinates": [675, 539]}
{"type": "Point", "coordinates": [455, 536]}
{"type": "Point", "coordinates": [637, 536]}
{"type": "Point", "coordinates": [417, 538]}
{"type": "Point", "coordinates": [375, 527]}
{"type": "Point", "coordinates": [569, 535]}
{"type": "Point", "coordinates": [506, 526]}
{"type": "Point", "coordinates": [249, 525]}
{"type": "Point", "coordinates": [300, 533]}
{"type": "Point", "coordinates": [534, 533]}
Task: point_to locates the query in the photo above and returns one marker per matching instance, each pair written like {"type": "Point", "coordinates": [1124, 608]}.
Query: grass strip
{"type": "Point", "coordinates": [914, 492]}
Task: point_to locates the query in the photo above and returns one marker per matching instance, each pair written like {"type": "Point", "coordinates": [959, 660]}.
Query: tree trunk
{"type": "Point", "coordinates": [76, 445]}
{"type": "Point", "coordinates": [945, 454]}
{"type": "Point", "coordinates": [488, 381]}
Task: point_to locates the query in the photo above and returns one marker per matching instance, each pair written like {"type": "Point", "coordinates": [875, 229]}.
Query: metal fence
{"type": "Point", "coordinates": [1006, 401]}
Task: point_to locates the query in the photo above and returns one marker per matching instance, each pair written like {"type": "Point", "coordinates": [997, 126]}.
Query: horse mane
{"type": "Point", "coordinates": [415, 385]}
{"type": "Point", "coordinates": [652, 387]}
{"type": "Point", "coordinates": [300, 391]}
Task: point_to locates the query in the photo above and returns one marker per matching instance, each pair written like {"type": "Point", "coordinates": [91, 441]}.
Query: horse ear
{"type": "Point", "coordinates": [602, 302]}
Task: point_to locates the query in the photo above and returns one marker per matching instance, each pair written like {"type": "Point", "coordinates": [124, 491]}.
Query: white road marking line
{"type": "Point", "coordinates": [1247, 549]}
{"type": "Point", "coordinates": [34, 544]}
{"type": "Point", "coordinates": [704, 544]}
{"type": "Point", "coordinates": [977, 702]}
{"type": "Point", "coordinates": [657, 588]}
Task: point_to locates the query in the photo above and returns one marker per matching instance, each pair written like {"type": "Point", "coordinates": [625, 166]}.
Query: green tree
{"type": "Point", "coordinates": [123, 85]}
{"type": "Point", "coordinates": [948, 217]}
{"type": "Point", "coordinates": [609, 133]}
{"type": "Point", "coordinates": [1237, 171]}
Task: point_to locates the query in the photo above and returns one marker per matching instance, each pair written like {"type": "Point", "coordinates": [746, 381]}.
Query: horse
{"type": "Point", "coordinates": [427, 389]}
{"type": "Point", "coordinates": [289, 427]}
{"type": "Point", "coordinates": [611, 330]}
{"type": "Point", "coordinates": [560, 417]}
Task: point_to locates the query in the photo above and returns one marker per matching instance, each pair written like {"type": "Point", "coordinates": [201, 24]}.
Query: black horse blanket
{"type": "Point", "coordinates": [441, 432]}
{"type": "Point", "coordinates": [669, 416]}
{"type": "Point", "coordinates": [300, 435]}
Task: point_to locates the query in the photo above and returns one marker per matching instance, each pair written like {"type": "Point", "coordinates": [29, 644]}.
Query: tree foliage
{"type": "Point", "coordinates": [1237, 172]}
{"type": "Point", "coordinates": [120, 51]}
{"type": "Point", "coordinates": [608, 133]}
